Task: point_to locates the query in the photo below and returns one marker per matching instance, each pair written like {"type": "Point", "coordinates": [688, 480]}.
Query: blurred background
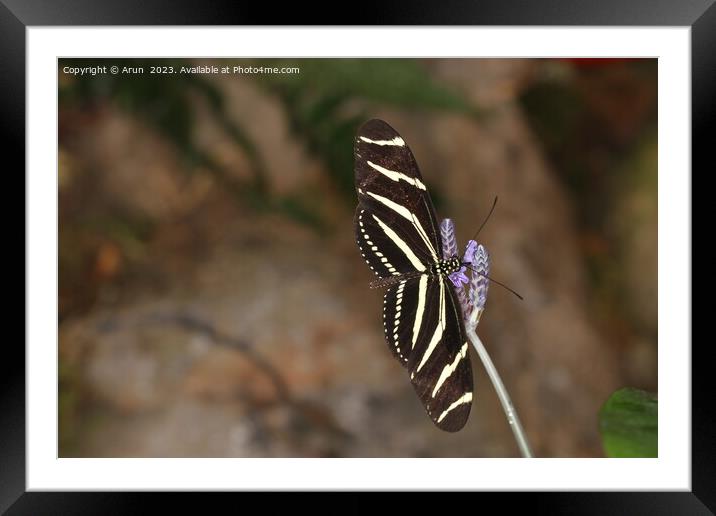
{"type": "Point", "coordinates": [213, 303]}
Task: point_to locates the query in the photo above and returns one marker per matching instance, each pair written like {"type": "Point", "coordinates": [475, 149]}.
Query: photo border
{"type": "Point", "coordinates": [699, 15]}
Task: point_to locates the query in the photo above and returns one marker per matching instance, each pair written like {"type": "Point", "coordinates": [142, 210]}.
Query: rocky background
{"type": "Point", "coordinates": [212, 302]}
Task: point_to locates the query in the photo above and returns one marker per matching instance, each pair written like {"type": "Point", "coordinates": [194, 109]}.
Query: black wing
{"type": "Point", "coordinates": [423, 327]}
{"type": "Point", "coordinates": [439, 362]}
{"type": "Point", "coordinates": [395, 220]}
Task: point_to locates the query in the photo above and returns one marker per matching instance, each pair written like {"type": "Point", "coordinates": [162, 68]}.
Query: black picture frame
{"type": "Point", "coordinates": [17, 15]}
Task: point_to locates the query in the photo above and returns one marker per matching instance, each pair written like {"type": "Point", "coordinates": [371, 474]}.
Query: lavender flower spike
{"type": "Point", "coordinates": [447, 232]}
{"type": "Point", "coordinates": [479, 283]}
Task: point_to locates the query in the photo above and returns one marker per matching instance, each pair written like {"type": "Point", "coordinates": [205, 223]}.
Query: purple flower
{"type": "Point", "coordinates": [447, 231]}
{"type": "Point", "coordinates": [469, 251]}
{"type": "Point", "coordinates": [459, 277]}
{"type": "Point", "coordinates": [479, 283]}
{"type": "Point", "coordinates": [477, 258]}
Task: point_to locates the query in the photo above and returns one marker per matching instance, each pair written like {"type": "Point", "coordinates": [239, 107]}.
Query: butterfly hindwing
{"type": "Point", "coordinates": [439, 364]}
{"type": "Point", "coordinates": [403, 309]}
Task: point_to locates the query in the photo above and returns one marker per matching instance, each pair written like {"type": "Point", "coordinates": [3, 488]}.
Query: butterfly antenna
{"type": "Point", "coordinates": [494, 203]}
{"type": "Point", "coordinates": [494, 281]}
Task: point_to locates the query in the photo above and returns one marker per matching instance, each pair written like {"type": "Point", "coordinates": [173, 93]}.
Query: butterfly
{"type": "Point", "coordinates": [399, 238]}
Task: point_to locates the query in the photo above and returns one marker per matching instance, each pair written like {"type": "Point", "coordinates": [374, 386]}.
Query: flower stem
{"type": "Point", "coordinates": [507, 406]}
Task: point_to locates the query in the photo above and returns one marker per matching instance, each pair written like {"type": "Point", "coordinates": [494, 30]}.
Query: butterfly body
{"type": "Point", "coordinates": [398, 237]}
{"type": "Point", "coordinates": [446, 267]}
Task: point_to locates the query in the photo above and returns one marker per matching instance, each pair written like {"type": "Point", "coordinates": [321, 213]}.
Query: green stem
{"type": "Point", "coordinates": [502, 394]}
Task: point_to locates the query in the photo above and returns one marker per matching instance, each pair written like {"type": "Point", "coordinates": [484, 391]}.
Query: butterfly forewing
{"type": "Point", "coordinates": [397, 235]}
{"type": "Point", "coordinates": [391, 189]}
{"type": "Point", "coordinates": [377, 243]}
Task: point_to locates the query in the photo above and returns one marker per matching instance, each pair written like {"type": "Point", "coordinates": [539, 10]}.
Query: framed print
{"type": "Point", "coordinates": [347, 257]}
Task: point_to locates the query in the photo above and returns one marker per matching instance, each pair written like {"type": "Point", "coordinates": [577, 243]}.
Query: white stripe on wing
{"type": "Point", "coordinates": [409, 254]}
{"type": "Point", "coordinates": [397, 176]}
{"type": "Point", "coordinates": [406, 214]}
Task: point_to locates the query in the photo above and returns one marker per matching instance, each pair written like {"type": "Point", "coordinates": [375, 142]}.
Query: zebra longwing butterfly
{"type": "Point", "coordinates": [399, 238]}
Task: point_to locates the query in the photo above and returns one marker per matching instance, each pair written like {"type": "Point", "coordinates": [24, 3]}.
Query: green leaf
{"type": "Point", "coordinates": [628, 424]}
